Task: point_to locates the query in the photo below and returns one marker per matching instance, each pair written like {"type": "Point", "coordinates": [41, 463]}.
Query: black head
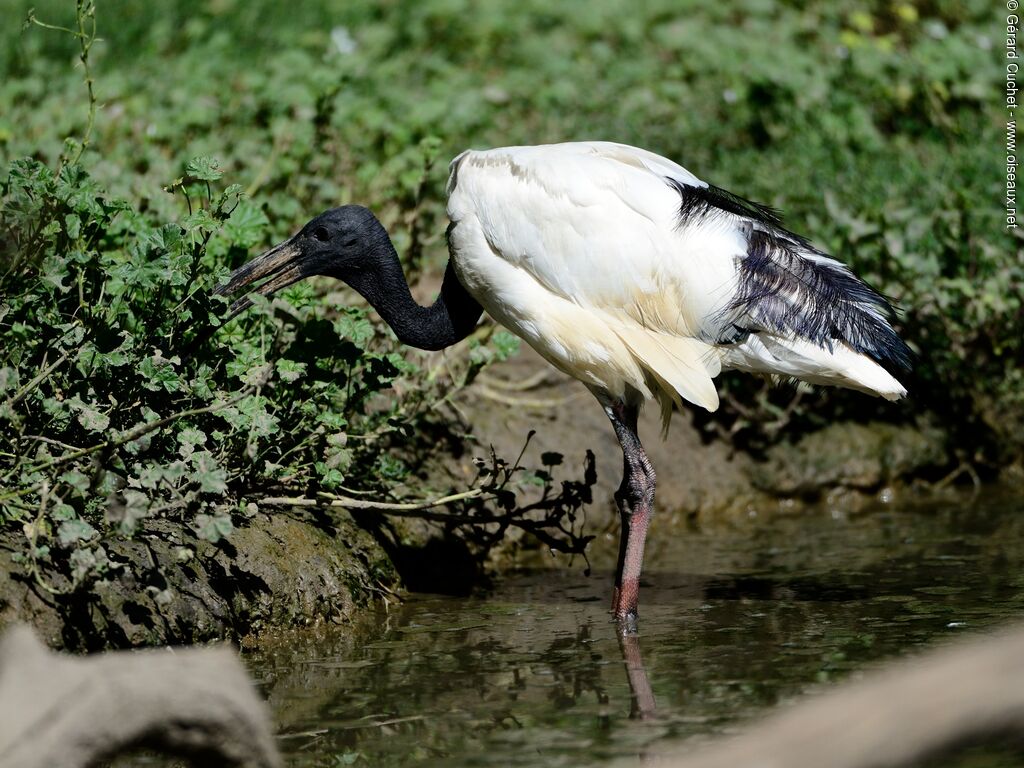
{"type": "Point", "coordinates": [340, 243]}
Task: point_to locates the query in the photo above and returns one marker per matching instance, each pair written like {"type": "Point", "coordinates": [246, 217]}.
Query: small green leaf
{"type": "Point", "coordinates": [505, 345]}
{"type": "Point", "coordinates": [337, 455]}
{"type": "Point", "coordinates": [256, 375]}
{"type": "Point", "coordinates": [245, 226]}
{"type": "Point", "coordinates": [209, 475]}
{"type": "Point", "coordinates": [76, 480]}
{"type": "Point", "coordinates": [9, 379]}
{"type": "Point", "coordinates": [332, 419]}
{"type": "Point", "coordinates": [54, 271]}
{"type": "Point", "coordinates": [189, 439]}
{"type": "Point", "coordinates": [251, 414]}
{"type": "Point", "coordinates": [160, 374]}
{"type": "Point", "coordinates": [89, 417]}
{"type": "Point", "coordinates": [82, 562]}
{"type": "Point", "coordinates": [354, 327]}
{"type": "Point", "coordinates": [88, 561]}
{"type": "Point", "coordinates": [204, 169]}
{"type": "Point", "coordinates": [391, 468]}
{"type": "Point", "coordinates": [289, 370]}
{"type": "Point", "coordinates": [61, 512]}
{"type": "Point", "coordinates": [128, 514]}
{"type": "Point", "coordinates": [73, 226]}
{"type": "Point", "coordinates": [330, 477]}
{"type": "Point", "coordinates": [199, 222]}
{"type": "Point", "coordinates": [213, 528]}
{"type": "Point", "coordinates": [72, 531]}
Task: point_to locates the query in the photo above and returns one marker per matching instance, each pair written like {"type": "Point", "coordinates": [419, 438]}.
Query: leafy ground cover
{"type": "Point", "coordinates": [202, 130]}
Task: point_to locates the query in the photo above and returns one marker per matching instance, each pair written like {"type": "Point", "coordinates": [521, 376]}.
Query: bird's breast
{"type": "Point", "coordinates": [577, 340]}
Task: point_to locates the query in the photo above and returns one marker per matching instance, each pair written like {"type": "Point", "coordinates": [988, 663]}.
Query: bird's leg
{"type": "Point", "coordinates": [623, 540]}
{"type": "Point", "coordinates": [635, 499]}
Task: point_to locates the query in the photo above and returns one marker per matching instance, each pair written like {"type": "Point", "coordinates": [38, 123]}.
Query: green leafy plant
{"type": "Point", "coordinates": [127, 404]}
{"type": "Point", "coordinates": [121, 405]}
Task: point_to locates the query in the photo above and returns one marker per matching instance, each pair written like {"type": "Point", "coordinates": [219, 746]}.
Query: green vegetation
{"type": "Point", "coordinates": [124, 403]}
{"type": "Point", "coordinates": [871, 124]}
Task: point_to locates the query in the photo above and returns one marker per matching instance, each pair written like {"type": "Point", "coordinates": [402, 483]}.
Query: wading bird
{"type": "Point", "coordinates": [625, 271]}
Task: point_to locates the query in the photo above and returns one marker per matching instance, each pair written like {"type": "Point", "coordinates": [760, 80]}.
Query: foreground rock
{"type": "Point", "coordinates": [63, 712]}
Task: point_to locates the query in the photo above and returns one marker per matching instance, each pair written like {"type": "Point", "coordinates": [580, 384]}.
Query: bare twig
{"type": "Point", "coordinates": [32, 533]}
{"type": "Point", "coordinates": [523, 385]}
{"type": "Point", "coordinates": [38, 379]}
{"type": "Point", "coordinates": [85, 16]}
{"type": "Point", "coordinates": [142, 429]}
{"type": "Point", "coordinates": [555, 527]}
{"type": "Point", "coordinates": [17, 494]}
{"type": "Point", "coordinates": [347, 502]}
{"type": "Point", "coordinates": [964, 467]}
{"type": "Point", "coordinates": [51, 441]}
{"type": "Point", "coordinates": [525, 402]}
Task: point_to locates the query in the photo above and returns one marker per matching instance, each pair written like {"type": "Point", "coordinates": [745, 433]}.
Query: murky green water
{"type": "Point", "coordinates": [733, 621]}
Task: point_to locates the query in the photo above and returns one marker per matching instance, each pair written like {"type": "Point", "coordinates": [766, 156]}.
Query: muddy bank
{"type": "Point", "coordinates": [281, 570]}
{"type": "Point", "coordinates": [287, 568]}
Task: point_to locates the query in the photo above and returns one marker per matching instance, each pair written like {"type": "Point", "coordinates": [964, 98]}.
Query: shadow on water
{"type": "Point", "coordinates": [733, 621]}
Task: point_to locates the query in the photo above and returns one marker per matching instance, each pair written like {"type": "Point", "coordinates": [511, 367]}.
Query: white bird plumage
{"type": "Point", "coordinates": [625, 271]}
{"type": "Point", "coordinates": [580, 249]}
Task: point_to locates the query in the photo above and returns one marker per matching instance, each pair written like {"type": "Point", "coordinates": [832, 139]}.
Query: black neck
{"type": "Point", "coordinates": [451, 318]}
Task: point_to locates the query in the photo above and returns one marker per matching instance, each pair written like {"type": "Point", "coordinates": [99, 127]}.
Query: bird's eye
{"type": "Point", "coordinates": [321, 234]}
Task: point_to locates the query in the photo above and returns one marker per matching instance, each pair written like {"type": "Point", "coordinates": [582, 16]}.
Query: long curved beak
{"type": "Point", "coordinates": [283, 264]}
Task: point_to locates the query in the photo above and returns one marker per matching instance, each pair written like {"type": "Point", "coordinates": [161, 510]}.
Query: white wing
{"type": "Point", "coordinates": [588, 251]}
{"type": "Point", "coordinates": [597, 223]}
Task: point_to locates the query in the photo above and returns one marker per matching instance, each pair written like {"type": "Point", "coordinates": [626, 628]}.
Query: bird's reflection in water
{"type": "Point", "coordinates": [642, 703]}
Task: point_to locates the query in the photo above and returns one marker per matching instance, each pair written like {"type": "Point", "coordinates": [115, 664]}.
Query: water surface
{"type": "Point", "coordinates": [734, 619]}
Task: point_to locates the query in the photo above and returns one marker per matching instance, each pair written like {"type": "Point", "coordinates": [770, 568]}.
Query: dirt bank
{"type": "Point", "coordinates": [697, 477]}
{"type": "Point", "coordinates": [281, 570]}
